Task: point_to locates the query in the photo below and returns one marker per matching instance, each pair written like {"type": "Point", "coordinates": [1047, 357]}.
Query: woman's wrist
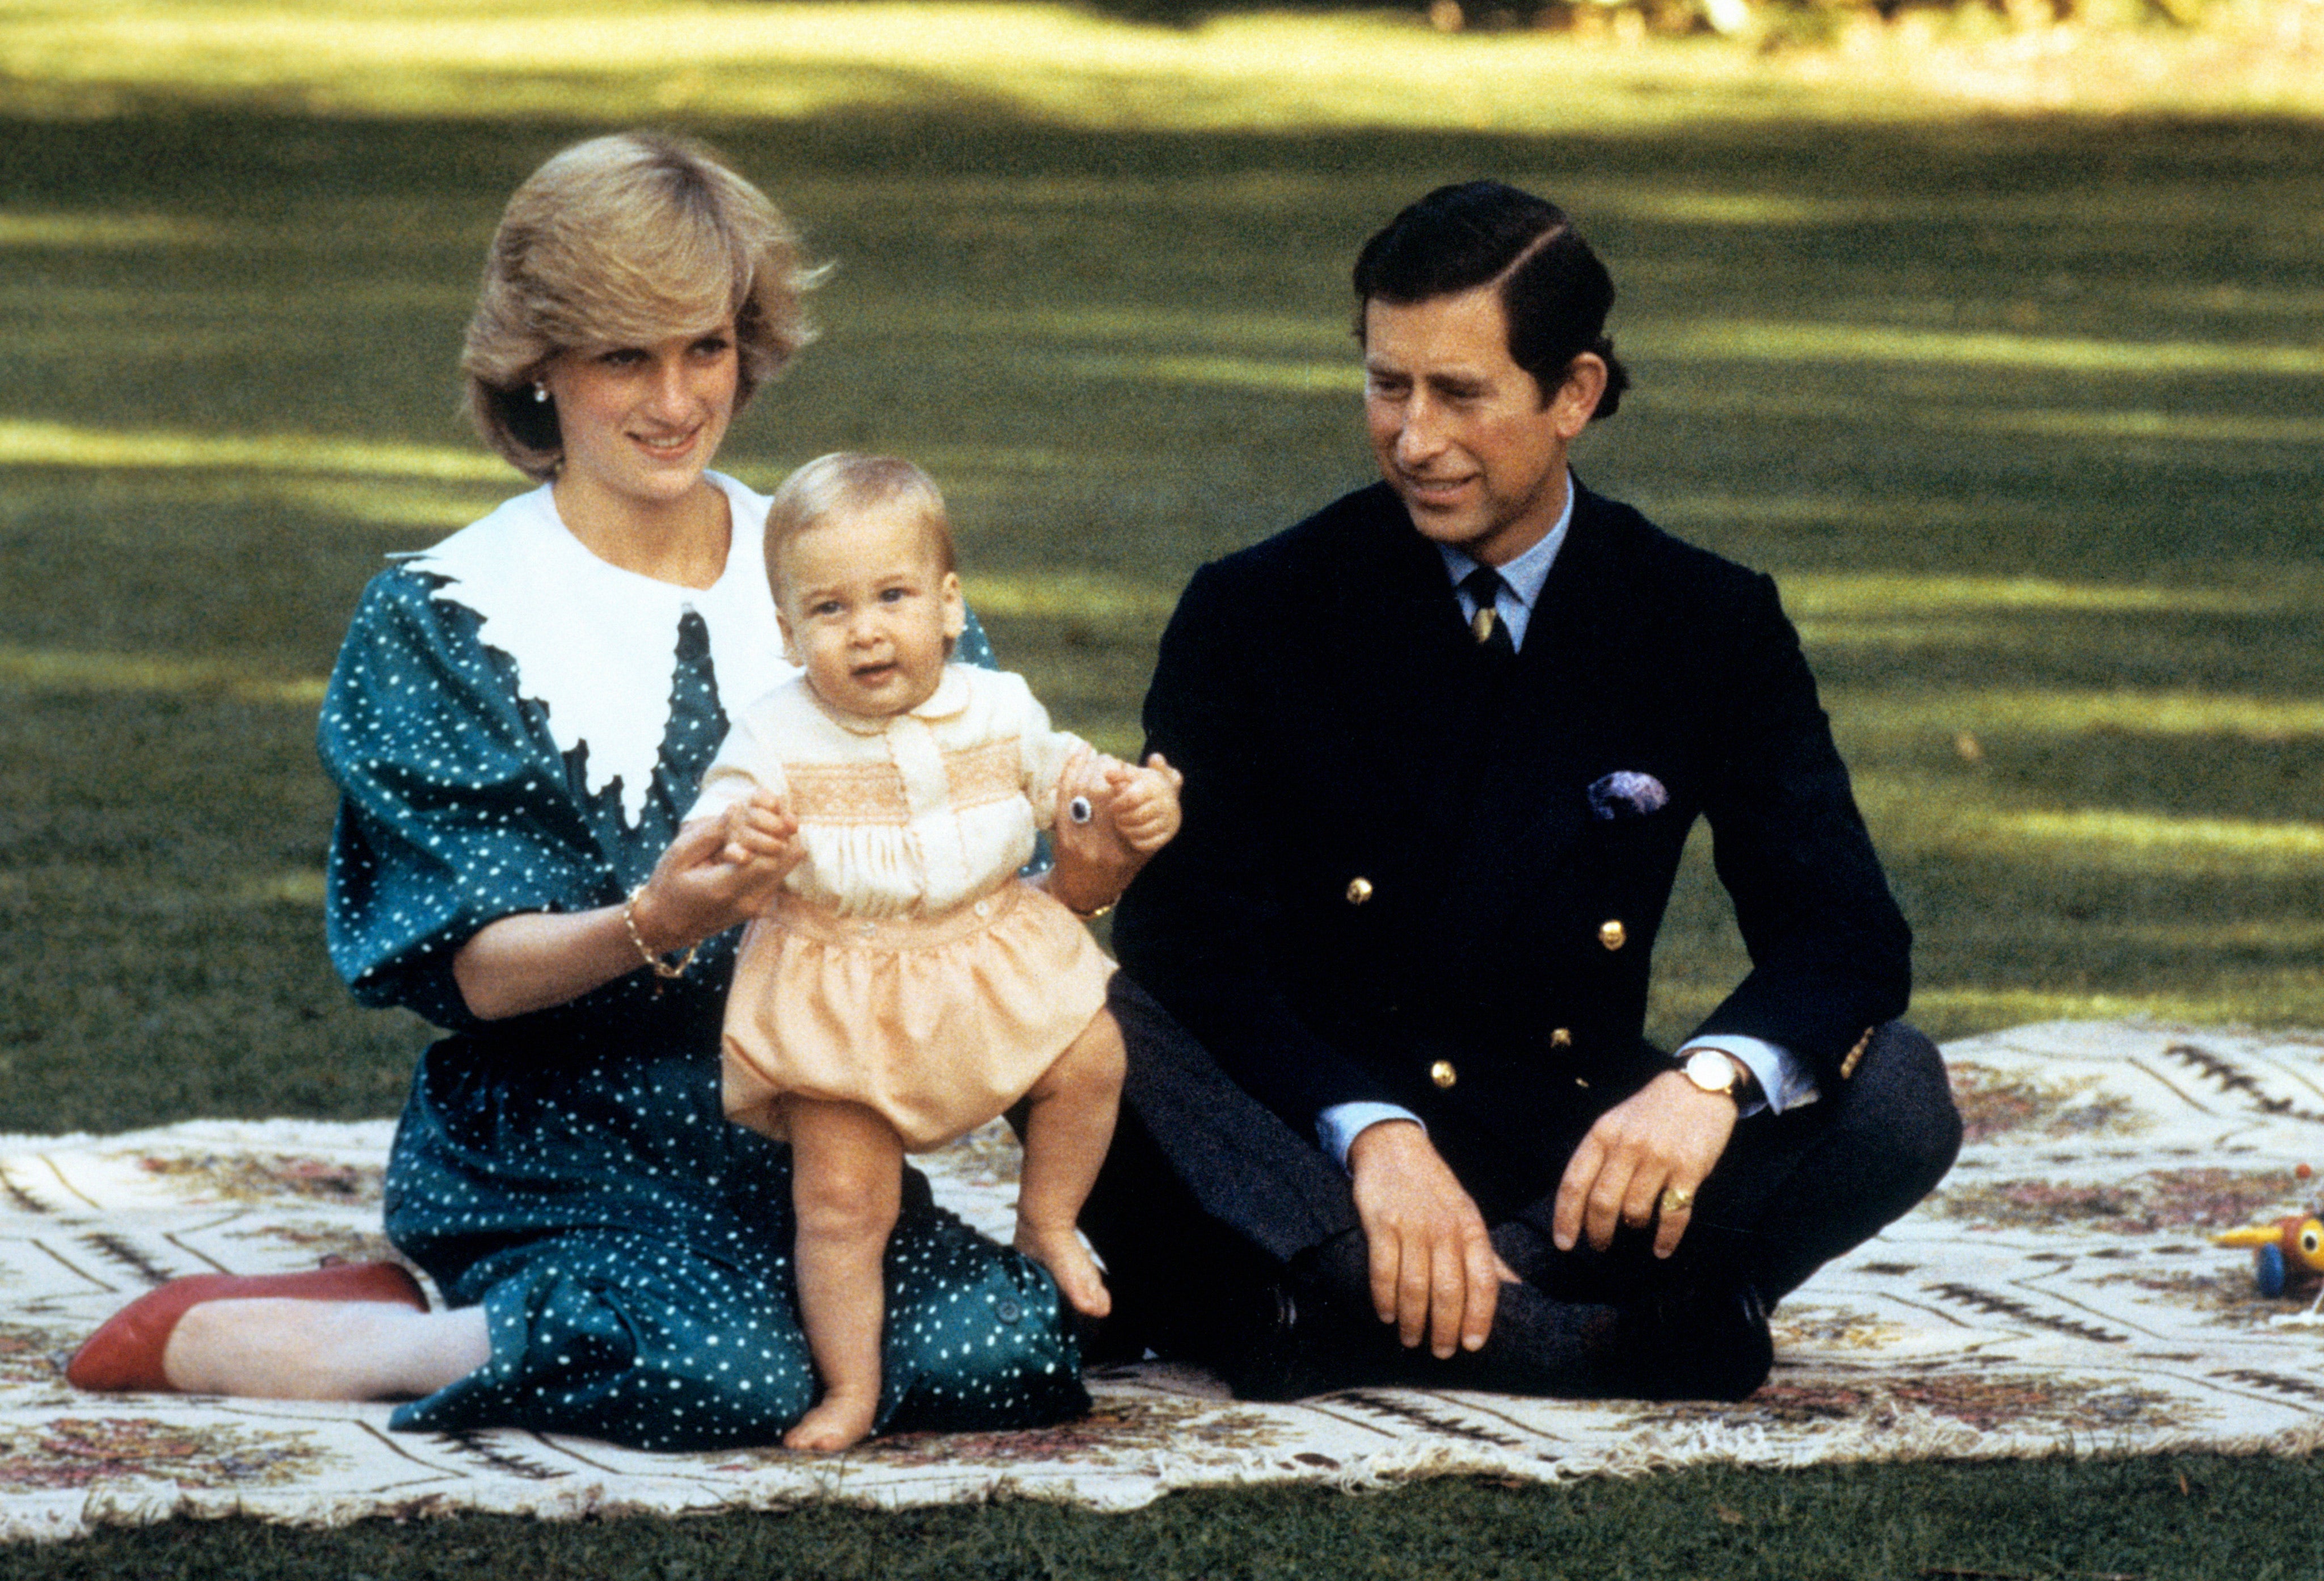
{"type": "Point", "coordinates": [651, 937]}
{"type": "Point", "coordinates": [1086, 895]}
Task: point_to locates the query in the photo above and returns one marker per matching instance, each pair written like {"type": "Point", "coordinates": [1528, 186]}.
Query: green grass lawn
{"type": "Point", "coordinates": [2025, 417]}
{"type": "Point", "coordinates": [2050, 1521]}
{"type": "Point", "coordinates": [2026, 414]}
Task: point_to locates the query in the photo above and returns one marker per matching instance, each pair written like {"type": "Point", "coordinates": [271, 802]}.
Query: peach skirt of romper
{"type": "Point", "coordinates": [940, 1023]}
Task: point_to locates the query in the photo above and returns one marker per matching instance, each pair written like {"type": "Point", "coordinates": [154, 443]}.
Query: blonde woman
{"type": "Point", "coordinates": [517, 721]}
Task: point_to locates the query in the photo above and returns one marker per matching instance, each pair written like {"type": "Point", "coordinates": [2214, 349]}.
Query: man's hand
{"type": "Point", "coordinates": [1434, 1271]}
{"type": "Point", "coordinates": [1668, 1134]}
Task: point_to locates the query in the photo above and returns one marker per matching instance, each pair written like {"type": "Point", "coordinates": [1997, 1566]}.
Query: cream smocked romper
{"type": "Point", "coordinates": [905, 965]}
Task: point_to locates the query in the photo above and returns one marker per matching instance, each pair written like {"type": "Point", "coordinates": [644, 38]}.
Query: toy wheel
{"type": "Point", "coordinates": [2268, 1270]}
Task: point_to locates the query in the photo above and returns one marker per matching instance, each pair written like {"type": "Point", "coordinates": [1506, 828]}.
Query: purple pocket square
{"type": "Point", "coordinates": [1627, 793]}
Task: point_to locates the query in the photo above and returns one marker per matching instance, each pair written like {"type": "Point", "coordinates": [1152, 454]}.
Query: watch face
{"type": "Point", "coordinates": [1711, 1070]}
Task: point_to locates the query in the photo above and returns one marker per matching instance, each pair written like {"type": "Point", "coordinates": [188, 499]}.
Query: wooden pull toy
{"type": "Point", "coordinates": [2287, 1255]}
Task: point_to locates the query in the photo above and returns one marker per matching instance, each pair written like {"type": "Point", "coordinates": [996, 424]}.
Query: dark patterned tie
{"type": "Point", "coordinates": [1482, 586]}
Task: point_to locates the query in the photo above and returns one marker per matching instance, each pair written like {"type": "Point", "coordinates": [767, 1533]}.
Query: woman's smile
{"type": "Point", "coordinates": [640, 424]}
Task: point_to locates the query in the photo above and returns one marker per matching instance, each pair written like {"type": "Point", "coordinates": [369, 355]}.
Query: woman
{"type": "Point", "coordinates": [518, 719]}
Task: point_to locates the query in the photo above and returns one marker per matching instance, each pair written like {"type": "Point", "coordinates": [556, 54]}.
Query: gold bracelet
{"type": "Point", "coordinates": [662, 968]}
{"type": "Point", "coordinates": [1091, 916]}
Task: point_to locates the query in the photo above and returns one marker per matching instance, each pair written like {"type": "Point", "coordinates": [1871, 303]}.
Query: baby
{"type": "Point", "coordinates": [906, 986]}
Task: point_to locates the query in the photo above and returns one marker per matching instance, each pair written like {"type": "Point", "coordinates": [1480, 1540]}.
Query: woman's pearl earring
{"type": "Point", "coordinates": [540, 393]}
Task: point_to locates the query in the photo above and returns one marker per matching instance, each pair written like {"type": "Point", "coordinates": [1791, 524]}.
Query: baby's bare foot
{"type": "Point", "coordinates": [1061, 1252]}
{"type": "Point", "coordinates": [838, 1421]}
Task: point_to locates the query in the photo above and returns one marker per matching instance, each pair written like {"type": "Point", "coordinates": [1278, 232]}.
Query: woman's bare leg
{"type": "Point", "coordinates": [276, 1348]}
{"type": "Point", "coordinates": [847, 1177]}
{"type": "Point", "coordinates": [1068, 1130]}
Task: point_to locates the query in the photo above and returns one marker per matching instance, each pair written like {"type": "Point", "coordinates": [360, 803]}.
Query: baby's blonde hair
{"type": "Point", "coordinates": [848, 484]}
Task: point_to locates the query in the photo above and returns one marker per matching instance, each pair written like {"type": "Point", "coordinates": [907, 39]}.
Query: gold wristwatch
{"type": "Point", "coordinates": [1715, 1072]}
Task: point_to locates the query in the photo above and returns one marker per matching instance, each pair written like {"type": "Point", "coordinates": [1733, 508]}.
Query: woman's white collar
{"type": "Point", "coordinates": [597, 646]}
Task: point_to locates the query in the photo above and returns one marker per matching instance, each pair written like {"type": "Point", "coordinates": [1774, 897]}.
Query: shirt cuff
{"type": "Point", "coordinates": [1338, 1126]}
{"type": "Point", "coordinates": [1784, 1081]}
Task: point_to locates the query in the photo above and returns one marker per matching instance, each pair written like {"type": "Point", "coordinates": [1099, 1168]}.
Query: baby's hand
{"type": "Point", "coordinates": [719, 871]}
{"type": "Point", "coordinates": [760, 836]}
{"type": "Point", "coordinates": [1144, 806]}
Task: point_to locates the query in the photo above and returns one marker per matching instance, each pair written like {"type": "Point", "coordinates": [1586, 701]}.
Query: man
{"type": "Point", "coordinates": [1442, 744]}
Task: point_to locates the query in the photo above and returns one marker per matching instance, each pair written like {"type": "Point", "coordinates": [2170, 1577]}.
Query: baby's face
{"type": "Point", "coordinates": [870, 611]}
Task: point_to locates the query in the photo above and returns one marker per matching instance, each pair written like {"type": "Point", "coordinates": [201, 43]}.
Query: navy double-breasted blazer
{"type": "Point", "coordinates": [1393, 882]}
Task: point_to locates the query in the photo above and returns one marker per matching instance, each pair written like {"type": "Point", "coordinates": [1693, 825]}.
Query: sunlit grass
{"type": "Point", "coordinates": [52, 671]}
{"type": "Point", "coordinates": [48, 444]}
{"type": "Point", "coordinates": [1160, 322]}
{"type": "Point", "coordinates": [2012, 1007]}
{"type": "Point", "coordinates": [303, 887]}
{"type": "Point", "coordinates": [2284, 936]}
{"type": "Point", "coordinates": [798, 60]}
{"type": "Point", "coordinates": [2103, 427]}
{"type": "Point", "coordinates": [103, 231]}
{"type": "Point", "coordinates": [2180, 427]}
{"type": "Point", "coordinates": [1875, 595]}
{"type": "Point", "coordinates": [1339, 377]}
{"type": "Point", "coordinates": [1749, 341]}
{"type": "Point", "coordinates": [1097, 601]}
{"type": "Point", "coordinates": [406, 514]}
{"type": "Point", "coordinates": [1812, 343]}
{"type": "Point", "coordinates": [1047, 62]}
{"type": "Point", "coordinates": [1996, 615]}
{"type": "Point", "coordinates": [1917, 819]}
{"type": "Point", "coordinates": [2068, 714]}
{"type": "Point", "coordinates": [2262, 1001]}
{"type": "Point", "coordinates": [2146, 841]}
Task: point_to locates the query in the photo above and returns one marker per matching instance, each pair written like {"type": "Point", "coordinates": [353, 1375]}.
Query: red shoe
{"type": "Point", "coordinates": [125, 1355]}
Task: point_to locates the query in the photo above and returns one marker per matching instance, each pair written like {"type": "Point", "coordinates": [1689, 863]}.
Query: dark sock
{"type": "Point", "coordinates": [1529, 1252]}
{"type": "Point", "coordinates": [1561, 1349]}
{"type": "Point", "coordinates": [1538, 1345]}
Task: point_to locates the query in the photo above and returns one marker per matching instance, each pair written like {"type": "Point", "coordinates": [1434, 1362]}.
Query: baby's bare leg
{"type": "Point", "coordinates": [848, 1175]}
{"type": "Point", "coordinates": [1066, 1131]}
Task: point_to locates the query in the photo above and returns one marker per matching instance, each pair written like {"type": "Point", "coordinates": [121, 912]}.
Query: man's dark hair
{"type": "Point", "coordinates": [1553, 290]}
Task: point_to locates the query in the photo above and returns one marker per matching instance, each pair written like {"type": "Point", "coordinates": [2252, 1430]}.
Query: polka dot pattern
{"type": "Point", "coordinates": [572, 1171]}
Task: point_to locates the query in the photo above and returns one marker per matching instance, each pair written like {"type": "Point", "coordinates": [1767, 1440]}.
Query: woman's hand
{"type": "Point", "coordinates": [717, 872]}
{"type": "Point", "coordinates": [1096, 857]}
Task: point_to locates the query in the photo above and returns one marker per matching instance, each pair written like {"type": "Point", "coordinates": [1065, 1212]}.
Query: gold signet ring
{"type": "Point", "coordinates": [1676, 1199]}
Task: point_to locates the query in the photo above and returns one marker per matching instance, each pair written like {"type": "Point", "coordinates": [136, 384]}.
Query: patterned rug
{"type": "Point", "coordinates": [2061, 1294]}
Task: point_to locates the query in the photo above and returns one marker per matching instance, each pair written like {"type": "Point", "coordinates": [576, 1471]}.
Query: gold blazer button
{"type": "Point", "coordinates": [1360, 890]}
{"type": "Point", "coordinates": [1442, 1073]}
{"type": "Point", "coordinates": [1612, 934]}
{"type": "Point", "coordinates": [1560, 1039]}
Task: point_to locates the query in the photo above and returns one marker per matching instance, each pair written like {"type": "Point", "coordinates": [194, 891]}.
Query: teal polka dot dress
{"type": "Point", "coordinates": [572, 1169]}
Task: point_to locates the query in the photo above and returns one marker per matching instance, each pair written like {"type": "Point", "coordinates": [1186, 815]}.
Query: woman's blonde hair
{"type": "Point", "coordinates": [624, 241]}
{"type": "Point", "coordinates": [847, 483]}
